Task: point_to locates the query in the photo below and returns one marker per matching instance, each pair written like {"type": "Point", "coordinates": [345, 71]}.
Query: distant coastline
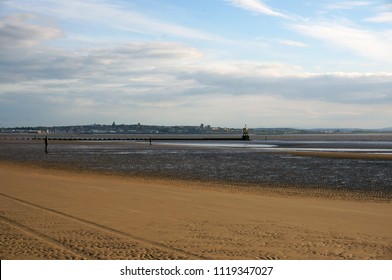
{"type": "Point", "coordinates": [181, 129]}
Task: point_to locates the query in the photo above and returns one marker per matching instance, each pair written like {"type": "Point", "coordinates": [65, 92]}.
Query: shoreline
{"type": "Point", "coordinates": [62, 214]}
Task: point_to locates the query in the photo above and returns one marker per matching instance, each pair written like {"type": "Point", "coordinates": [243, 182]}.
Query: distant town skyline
{"type": "Point", "coordinates": [301, 64]}
{"type": "Point", "coordinates": [180, 128]}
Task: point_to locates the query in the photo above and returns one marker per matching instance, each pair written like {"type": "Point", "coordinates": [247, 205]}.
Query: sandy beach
{"type": "Point", "coordinates": [57, 214]}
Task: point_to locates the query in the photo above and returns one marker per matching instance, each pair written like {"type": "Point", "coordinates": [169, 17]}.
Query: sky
{"type": "Point", "coordinates": [264, 63]}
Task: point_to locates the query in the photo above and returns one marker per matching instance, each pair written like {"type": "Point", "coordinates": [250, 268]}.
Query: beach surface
{"type": "Point", "coordinates": [58, 214]}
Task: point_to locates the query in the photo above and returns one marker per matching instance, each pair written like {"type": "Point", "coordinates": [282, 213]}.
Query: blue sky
{"type": "Point", "coordinates": [227, 63]}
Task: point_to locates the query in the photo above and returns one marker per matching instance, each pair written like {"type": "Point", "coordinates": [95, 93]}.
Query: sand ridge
{"type": "Point", "coordinates": [67, 215]}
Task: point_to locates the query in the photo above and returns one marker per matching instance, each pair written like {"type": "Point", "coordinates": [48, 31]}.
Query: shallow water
{"type": "Point", "coordinates": [381, 147]}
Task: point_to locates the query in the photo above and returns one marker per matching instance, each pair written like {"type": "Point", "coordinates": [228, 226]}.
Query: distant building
{"type": "Point", "coordinates": [39, 131]}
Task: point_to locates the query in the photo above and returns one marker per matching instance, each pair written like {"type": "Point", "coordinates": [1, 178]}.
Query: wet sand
{"type": "Point", "coordinates": [355, 176]}
{"type": "Point", "coordinates": [342, 155]}
{"type": "Point", "coordinates": [58, 214]}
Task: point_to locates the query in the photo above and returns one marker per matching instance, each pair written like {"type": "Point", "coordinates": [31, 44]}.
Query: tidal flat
{"type": "Point", "coordinates": [355, 167]}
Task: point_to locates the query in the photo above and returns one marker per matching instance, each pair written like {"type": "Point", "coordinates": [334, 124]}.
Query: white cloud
{"type": "Point", "coordinates": [382, 17]}
{"type": "Point", "coordinates": [292, 84]}
{"type": "Point", "coordinates": [168, 70]}
{"type": "Point", "coordinates": [136, 87]}
{"type": "Point", "coordinates": [100, 13]}
{"type": "Point", "coordinates": [256, 6]}
{"type": "Point", "coordinates": [25, 30]}
{"type": "Point", "coordinates": [291, 43]}
{"type": "Point", "coordinates": [84, 102]}
{"type": "Point", "coordinates": [375, 45]}
{"type": "Point", "coordinates": [343, 5]}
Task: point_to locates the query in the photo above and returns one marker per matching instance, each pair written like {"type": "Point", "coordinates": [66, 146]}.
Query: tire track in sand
{"type": "Point", "coordinates": [151, 245]}
{"type": "Point", "coordinates": [44, 238]}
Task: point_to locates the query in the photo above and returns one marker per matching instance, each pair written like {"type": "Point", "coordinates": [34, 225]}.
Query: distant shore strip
{"type": "Point", "coordinates": [133, 138]}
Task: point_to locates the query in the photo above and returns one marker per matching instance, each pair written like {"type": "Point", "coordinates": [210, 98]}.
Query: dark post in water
{"type": "Point", "coordinates": [46, 144]}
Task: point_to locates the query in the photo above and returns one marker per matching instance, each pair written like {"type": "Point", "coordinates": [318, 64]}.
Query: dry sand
{"type": "Point", "coordinates": [67, 215]}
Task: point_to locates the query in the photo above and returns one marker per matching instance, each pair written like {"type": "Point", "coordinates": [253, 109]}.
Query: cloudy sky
{"type": "Point", "coordinates": [263, 63]}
